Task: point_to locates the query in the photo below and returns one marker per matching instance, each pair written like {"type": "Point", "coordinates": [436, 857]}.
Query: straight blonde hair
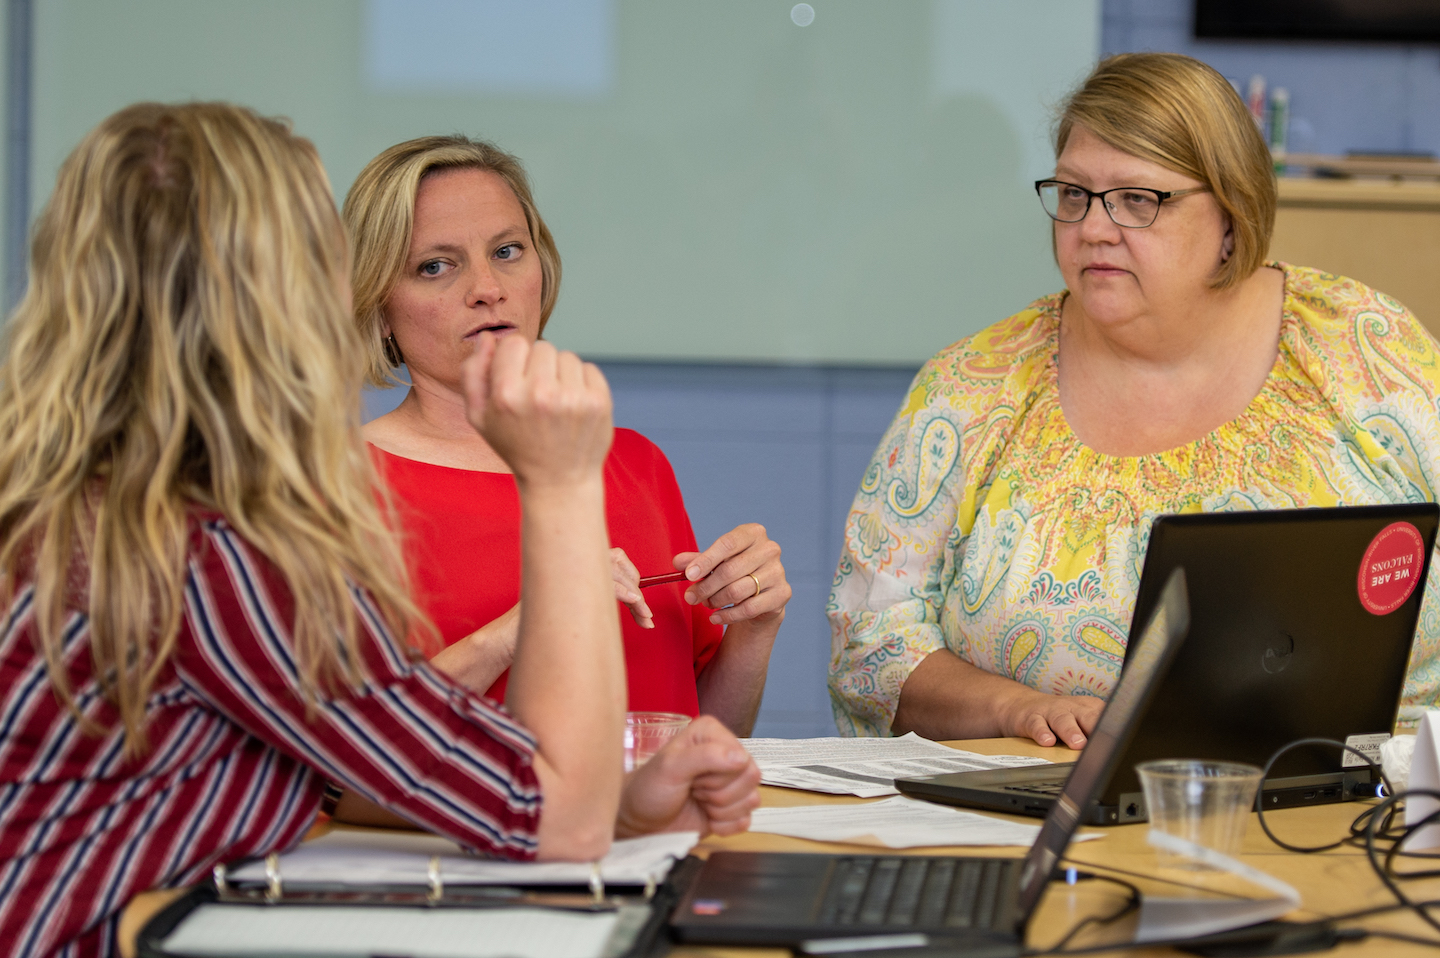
{"type": "Point", "coordinates": [1180, 113]}
{"type": "Point", "coordinates": [380, 217]}
{"type": "Point", "coordinates": [185, 341]}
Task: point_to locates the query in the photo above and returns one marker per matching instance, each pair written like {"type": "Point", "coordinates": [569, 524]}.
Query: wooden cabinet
{"type": "Point", "coordinates": [1384, 233]}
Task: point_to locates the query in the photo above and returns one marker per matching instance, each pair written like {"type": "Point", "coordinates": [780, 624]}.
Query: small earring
{"type": "Point", "coordinates": [393, 356]}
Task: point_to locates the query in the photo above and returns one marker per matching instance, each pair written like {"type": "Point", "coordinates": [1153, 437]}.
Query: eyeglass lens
{"type": "Point", "coordinates": [1069, 204]}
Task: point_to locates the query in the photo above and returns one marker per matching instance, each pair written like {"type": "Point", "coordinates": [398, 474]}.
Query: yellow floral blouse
{"type": "Point", "coordinates": [983, 525]}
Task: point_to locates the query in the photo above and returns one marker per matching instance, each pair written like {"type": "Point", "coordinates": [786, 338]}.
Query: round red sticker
{"type": "Point", "coordinates": [1391, 568]}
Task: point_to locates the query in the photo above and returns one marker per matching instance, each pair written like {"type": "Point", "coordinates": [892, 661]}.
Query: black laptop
{"type": "Point", "coordinates": [1301, 626]}
{"type": "Point", "coordinates": [976, 905]}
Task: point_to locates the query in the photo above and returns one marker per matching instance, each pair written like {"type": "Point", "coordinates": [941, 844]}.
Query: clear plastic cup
{"type": "Point", "coordinates": [647, 732]}
{"type": "Point", "coordinates": [1204, 802]}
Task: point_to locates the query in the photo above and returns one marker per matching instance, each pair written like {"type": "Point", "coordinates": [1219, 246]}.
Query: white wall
{"type": "Point", "coordinates": [724, 184]}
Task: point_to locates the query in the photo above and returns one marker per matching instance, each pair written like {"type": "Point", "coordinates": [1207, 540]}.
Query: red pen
{"type": "Point", "coordinates": [668, 577]}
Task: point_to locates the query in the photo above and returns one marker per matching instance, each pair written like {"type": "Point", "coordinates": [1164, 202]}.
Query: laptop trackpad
{"type": "Point", "coordinates": [749, 890]}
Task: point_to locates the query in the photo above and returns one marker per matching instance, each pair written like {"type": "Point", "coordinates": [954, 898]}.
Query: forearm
{"type": "Point", "coordinates": [480, 658]}
{"type": "Point", "coordinates": [354, 810]}
{"type": "Point", "coordinates": [733, 682]}
{"type": "Point", "coordinates": [567, 683]}
{"type": "Point", "coordinates": [946, 697]}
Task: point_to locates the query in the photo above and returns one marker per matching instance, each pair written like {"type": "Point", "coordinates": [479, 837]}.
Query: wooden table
{"type": "Point", "coordinates": [1330, 883]}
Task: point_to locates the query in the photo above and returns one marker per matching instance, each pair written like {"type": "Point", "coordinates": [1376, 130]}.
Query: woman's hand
{"type": "Point", "coordinates": [741, 578]}
{"type": "Point", "coordinates": [546, 413]}
{"type": "Point", "coordinates": [1052, 719]}
{"type": "Point", "coordinates": [721, 577]}
{"type": "Point", "coordinates": [703, 780]}
{"type": "Point", "coordinates": [627, 588]}
{"type": "Point", "coordinates": [946, 698]}
{"type": "Point", "coordinates": [480, 658]}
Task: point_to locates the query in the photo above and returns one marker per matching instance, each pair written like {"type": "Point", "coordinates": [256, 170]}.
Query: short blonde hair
{"type": "Point", "coordinates": [184, 342]}
{"type": "Point", "coordinates": [380, 216]}
{"type": "Point", "coordinates": [1178, 112]}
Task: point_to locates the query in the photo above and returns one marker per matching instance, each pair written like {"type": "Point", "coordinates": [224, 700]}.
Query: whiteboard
{"type": "Point", "coordinates": [724, 184]}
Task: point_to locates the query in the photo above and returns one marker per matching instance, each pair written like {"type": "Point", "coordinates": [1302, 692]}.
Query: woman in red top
{"type": "Point", "coordinates": [447, 246]}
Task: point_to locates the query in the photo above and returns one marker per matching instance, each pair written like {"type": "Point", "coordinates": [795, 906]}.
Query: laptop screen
{"type": "Point", "coordinates": [1144, 668]}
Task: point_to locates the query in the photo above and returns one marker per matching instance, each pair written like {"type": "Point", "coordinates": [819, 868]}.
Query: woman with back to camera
{"type": "Point", "coordinates": [448, 244]}
{"type": "Point", "coordinates": [993, 552]}
{"type": "Point", "coordinates": [203, 600]}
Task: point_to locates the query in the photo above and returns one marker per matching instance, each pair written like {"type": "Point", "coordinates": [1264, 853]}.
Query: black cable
{"type": "Point", "coordinates": [1265, 776]}
{"type": "Point", "coordinates": [1398, 848]}
{"type": "Point", "coordinates": [1383, 871]}
{"type": "Point", "coordinates": [1192, 886]}
{"type": "Point", "coordinates": [1132, 902]}
{"type": "Point", "coordinates": [1058, 949]}
{"type": "Point", "coordinates": [1379, 823]}
{"type": "Point", "coordinates": [1376, 824]}
{"type": "Point", "coordinates": [1380, 910]}
{"type": "Point", "coordinates": [1387, 830]}
{"type": "Point", "coordinates": [1353, 934]}
{"type": "Point", "coordinates": [1397, 936]}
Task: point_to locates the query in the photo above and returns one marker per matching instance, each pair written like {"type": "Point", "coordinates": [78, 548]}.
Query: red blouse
{"type": "Point", "coordinates": [462, 541]}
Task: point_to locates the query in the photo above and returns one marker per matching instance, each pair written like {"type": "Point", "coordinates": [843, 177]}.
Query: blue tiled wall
{"type": "Point", "coordinates": [780, 445]}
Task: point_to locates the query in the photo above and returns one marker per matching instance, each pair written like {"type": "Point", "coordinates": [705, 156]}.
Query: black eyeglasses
{"type": "Point", "coordinates": [1134, 207]}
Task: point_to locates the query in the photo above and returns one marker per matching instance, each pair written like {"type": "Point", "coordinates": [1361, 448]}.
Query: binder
{"type": "Point", "coordinates": [230, 918]}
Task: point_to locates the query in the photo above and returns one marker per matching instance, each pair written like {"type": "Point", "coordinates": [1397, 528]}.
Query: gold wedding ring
{"type": "Point", "coordinates": [757, 584]}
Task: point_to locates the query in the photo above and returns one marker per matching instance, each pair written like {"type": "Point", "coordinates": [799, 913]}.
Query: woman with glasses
{"type": "Point", "coordinates": [993, 552]}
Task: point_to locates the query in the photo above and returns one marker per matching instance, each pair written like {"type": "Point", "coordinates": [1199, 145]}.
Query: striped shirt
{"type": "Point", "coordinates": [235, 766]}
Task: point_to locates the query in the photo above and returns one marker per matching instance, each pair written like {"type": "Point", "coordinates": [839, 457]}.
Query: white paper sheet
{"type": "Point", "coordinates": [1163, 919]}
{"type": "Point", "coordinates": [338, 930]}
{"type": "Point", "coordinates": [866, 767]}
{"type": "Point", "coordinates": [895, 823]}
{"type": "Point", "coordinates": [354, 857]}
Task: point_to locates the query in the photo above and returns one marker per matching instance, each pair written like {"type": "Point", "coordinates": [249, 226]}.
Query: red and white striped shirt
{"type": "Point", "coordinates": [235, 766]}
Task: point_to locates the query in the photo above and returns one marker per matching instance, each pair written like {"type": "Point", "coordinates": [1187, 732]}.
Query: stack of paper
{"type": "Point", "coordinates": [866, 767]}
{"type": "Point", "coordinates": [894, 823]}
{"type": "Point", "coordinates": [354, 857]}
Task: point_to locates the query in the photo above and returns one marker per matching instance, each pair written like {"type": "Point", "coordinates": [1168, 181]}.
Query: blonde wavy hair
{"type": "Point", "coordinates": [1174, 110]}
{"type": "Point", "coordinates": [186, 341]}
{"type": "Point", "coordinates": [380, 217]}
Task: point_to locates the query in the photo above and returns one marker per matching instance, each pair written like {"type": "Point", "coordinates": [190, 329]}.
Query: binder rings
{"type": "Point", "coordinates": [273, 917]}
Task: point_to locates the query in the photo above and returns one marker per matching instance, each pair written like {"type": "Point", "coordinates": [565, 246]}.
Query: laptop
{"type": "Point", "coordinates": [1301, 626]}
{"type": "Point", "coordinates": [978, 905]}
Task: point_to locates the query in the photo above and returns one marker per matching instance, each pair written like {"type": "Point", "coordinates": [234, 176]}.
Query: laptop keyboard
{"type": "Point", "coordinates": [920, 891]}
{"type": "Point", "coordinates": [1052, 789]}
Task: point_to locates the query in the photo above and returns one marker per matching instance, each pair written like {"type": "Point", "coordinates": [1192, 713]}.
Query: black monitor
{"type": "Point", "coordinates": [1409, 21]}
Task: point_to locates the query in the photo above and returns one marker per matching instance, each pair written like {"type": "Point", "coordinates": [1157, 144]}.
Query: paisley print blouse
{"type": "Point", "coordinates": [983, 525]}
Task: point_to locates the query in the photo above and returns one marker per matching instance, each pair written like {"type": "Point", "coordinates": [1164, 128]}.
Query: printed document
{"type": "Point", "coordinates": [866, 767]}
{"type": "Point", "coordinates": [894, 823]}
